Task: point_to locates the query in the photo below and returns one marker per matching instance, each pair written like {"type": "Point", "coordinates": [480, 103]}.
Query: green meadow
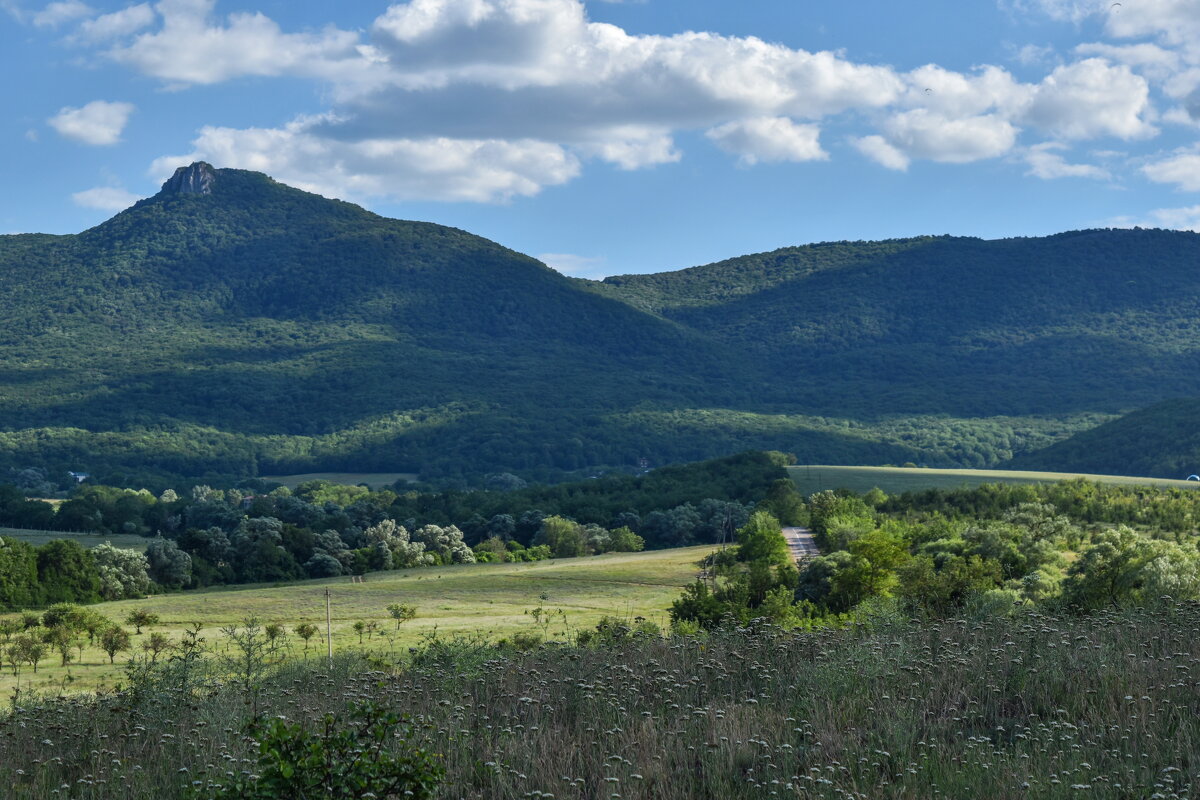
{"type": "Point", "coordinates": [895, 480]}
{"type": "Point", "coordinates": [375, 480]}
{"type": "Point", "coordinates": [490, 601]}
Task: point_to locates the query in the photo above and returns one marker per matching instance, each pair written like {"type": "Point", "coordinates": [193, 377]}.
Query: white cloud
{"type": "Point", "coordinates": [526, 78]}
{"type": "Point", "coordinates": [1182, 169]}
{"type": "Point", "coordinates": [401, 169]}
{"type": "Point", "coordinates": [769, 139]}
{"type": "Point", "coordinates": [118, 24]}
{"type": "Point", "coordinates": [1174, 22]}
{"type": "Point", "coordinates": [577, 266]}
{"type": "Point", "coordinates": [1046, 164]}
{"type": "Point", "coordinates": [1032, 55]}
{"type": "Point", "coordinates": [879, 150]}
{"type": "Point", "coordinates": [1182, 219]}
{"type": "Point", "coordinates": [1185, 219]}
{"type": "Point", "coordinates": [105, 198]}
{"type": "Point", "coordinates": [56, 14]}
{"type": "Point", "coordinates": [1157, 63]}
{"type": "Point", "coordinates": [925, 134]}
{"type": "Point", "coordinates": [632, 147]}
{"type": "Point", "coordinates": [99, 122]}
{"type": "Point", "coordinates": [1092, 98]}
{"type": "Point", "coordinates": [189, 49]}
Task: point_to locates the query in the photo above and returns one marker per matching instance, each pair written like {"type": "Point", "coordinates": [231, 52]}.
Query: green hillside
{"type": "Point", "coordinates": [1099, 320]}
{"type": "Point", "coordinates": [1162, 440]}
{"type": "Point", "coordinates": [233, 325]}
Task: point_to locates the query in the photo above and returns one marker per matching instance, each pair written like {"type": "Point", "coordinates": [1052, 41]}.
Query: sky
{"type": "Point", "coordinates": [619, 137]}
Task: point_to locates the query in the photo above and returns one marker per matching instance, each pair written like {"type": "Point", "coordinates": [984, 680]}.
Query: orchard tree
{"type": "Point", "coordinates": [114, 639]}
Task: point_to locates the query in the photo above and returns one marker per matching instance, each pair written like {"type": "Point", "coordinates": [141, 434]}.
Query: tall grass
{"type": "Point", "coordinates": [1104, 706]}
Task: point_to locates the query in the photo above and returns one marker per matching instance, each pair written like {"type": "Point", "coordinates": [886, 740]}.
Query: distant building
{"type": "Point", "coordinates": [643, 463]}
{"type": "Point", "coordinates": [79, 477]}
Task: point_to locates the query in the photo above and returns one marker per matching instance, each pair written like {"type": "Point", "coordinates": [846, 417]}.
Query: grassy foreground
{"type": "Point", "coordinates": [494, 600]}
{"type": "Point", "coordinates": [1038, 706]}
{"type": "Point", "coordinates": [895, 480]}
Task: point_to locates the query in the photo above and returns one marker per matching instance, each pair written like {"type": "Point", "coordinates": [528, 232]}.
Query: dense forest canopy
{"type": "Point", "coordinates": [253, 328]}
{"type": "Point", "coordinates": [1162, 440]}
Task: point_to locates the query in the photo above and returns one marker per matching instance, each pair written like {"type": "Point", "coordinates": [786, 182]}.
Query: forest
{"type": "Point", "coordinates": [260, 329]}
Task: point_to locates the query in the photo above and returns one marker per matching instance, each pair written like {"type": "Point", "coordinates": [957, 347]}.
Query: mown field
{"type": "Point", "coordinates": [894, 480]}
{"type": "Point", "coordinates": [375, 480]}
{"type": "Point", "coordinates": [492, 600]}
{"type": "Point", "coordinates": [126, 541]}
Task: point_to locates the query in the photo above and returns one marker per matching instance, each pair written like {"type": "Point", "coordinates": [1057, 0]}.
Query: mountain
{"type": "Point", "coordinates": [1162, 441]}
{"type": "Point", "coordinates": [234, 325]}
{"type": "Point", "coordinates": [1101, 320]}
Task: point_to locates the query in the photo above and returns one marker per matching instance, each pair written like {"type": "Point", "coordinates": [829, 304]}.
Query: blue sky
{"type": "Point", "coordinates": [616, 137]}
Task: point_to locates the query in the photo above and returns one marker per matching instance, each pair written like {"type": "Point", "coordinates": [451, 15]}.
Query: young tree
{"type": "Point", "coordinates": [306, 631]}
{"type": "Point", "coordinates": [139, 618]}
{"type": "Point", "coordinates": [62, 639]}
{"type": "Point", "coordinates": [155, 644]}
{"type": "Point", "coordinates": [401, 613]}
{"type": "Point", "coordinates": [113, 640]}
{"type": "Point", "coordinates": [360, 628]}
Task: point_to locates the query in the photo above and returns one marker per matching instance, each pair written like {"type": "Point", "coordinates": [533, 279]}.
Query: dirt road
{"type": "Point", "coordinates": [800, 542]}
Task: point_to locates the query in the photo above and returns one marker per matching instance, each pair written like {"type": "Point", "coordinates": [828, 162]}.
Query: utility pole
{"type": "Point", "coordinates": [328, 629]}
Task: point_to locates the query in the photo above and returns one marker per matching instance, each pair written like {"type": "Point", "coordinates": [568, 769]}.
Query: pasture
{"type": "Point", "coordinates": [375, 480]}
{"type": "Point", "coordinates": [126, 541]}
{"type": "Point", "coordinates": [489, 600]}
{"type": "Point", "coordinates": [896, 480]}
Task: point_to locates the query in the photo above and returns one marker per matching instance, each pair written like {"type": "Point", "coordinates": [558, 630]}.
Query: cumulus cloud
{"type": "Point", "coordinates": [190, 49]}
{"type": "Point", "coordinates": [98, 123]}
{"type": "Point", "coordinates": [1092, 98]}
{"type": "Point", "coordinates": [882, 152]}
{"type": "Point", "coordinates": [770, 139]}
{"type": "Point", "coordinates": [105, 198]}
{"type": "Point", "coordinates": [489, 170]}
{"type": "Point", "coordinates": [1047, 164]}
{"type": "Point", "coordinates": [521, 80]}
{"type": "Point", "coordinates": [1181, 169]}
{"type": "Point", "coordinates": [921, 133]}
{"type": "Point", "coordinates": [118, 24]}
{"type": "Point", "coordinates": [56, 14]}
{"type": "Point", "coordinates": [1184, 219]}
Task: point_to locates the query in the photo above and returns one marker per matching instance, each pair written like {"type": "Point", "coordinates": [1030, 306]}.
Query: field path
{"type": "Point", "coordinates": [801, 543]}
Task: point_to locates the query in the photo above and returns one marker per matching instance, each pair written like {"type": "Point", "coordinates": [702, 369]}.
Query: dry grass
{"type": "Point", "coordinates": [1033, 707]}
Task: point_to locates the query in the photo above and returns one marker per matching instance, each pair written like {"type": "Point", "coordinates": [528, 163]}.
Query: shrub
{"type": "Point", "coordinates": [366, 756]}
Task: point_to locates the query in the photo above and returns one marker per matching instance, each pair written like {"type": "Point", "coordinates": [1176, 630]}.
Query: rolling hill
{"type": "Point", "coordinates": [233, 325]}
{"type": "Point", "coordinates": [1161, 441]}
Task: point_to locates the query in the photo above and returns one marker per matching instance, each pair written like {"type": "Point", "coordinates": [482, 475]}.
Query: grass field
{"type": "Point", "coordinates": [126, 541]}
{"type": "Point", "coordinates": [494, 600]}
{"type": "Point", "coordinates": [894, 480]}
{"type": "Point", "coordinates": [375, 480]}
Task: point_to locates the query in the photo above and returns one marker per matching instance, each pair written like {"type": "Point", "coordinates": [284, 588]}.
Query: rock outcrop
{"type": "Point", "coordinates": [196, 178]}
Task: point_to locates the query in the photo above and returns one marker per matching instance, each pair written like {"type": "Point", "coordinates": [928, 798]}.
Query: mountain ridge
{"type": "Point", "coordinates": [233, 324]}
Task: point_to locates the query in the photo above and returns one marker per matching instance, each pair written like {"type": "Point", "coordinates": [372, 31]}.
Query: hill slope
{"type": "Point", "coordinates": [1161, 441]}
{"type": "Point", "coordinates": [1091, 320]}
{"type": "Point", "coordinates": [236, 325]}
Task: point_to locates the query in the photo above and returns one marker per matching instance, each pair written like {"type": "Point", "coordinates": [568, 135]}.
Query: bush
{"type": "Point", "coordinates": [367, 756]}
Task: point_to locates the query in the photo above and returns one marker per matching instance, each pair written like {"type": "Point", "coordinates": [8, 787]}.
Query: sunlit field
{"type": "Point", "coordinates": [489, 600]}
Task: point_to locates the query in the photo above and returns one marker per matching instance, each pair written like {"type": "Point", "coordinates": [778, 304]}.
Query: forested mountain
{"type": "Point", "coordinates": [1162, 441]}
{"type": "Point", "coordinates": [1101, 320]}
{"type": "Point", "coordinates": [231, 324]}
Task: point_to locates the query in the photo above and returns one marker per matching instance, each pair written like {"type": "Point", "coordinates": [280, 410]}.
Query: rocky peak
{"type": "Point", "coordinates": [196, 178]}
